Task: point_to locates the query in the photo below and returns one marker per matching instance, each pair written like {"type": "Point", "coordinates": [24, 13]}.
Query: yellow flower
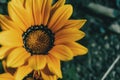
{"type": "Point", "coordinates": [40, 34]}
{"type": "Point", "coordinates": [26, 73]}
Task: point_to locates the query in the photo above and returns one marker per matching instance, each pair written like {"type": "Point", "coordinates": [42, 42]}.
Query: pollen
{"type": "Point", "coordinates": [38, 39]}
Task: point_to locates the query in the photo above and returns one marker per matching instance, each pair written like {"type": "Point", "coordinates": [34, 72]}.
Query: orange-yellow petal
{"type": "Point", "coordinates": [19, 2]}
{"type": "Point", "coordinates": [54, 65]}
{"type": "Point", "coordinates": [48, 77]}
{"type": "Point", "coordinates": [37, 5]}
{"type": "Point", "coordinates": [11, 38]}
{"type": "Point", "coordinates": [19, 15]}
{"type": "Point", "coordinates": [7, 69]}
{"type": "Point", "coordinates": [4, 51]}
{"type": "Point", "coordinates": [17, 57]}
{"type": "Point", "coordinates": [61, 52]}
{"type": "Point", "coordinates": [6, 76]}
{"type": "Point", "coordinates": [22, 72]}
{"type": "Point", "coordinates": [70, 34]}
{"type": "Point", "coordinates": [76, 48]}
{"type": "Point", "coordinates": [29, 9]}
{"type": "Point", "coordinates": [7, 24]}
{"type": "Point", "coordinates": [37, 62]}
{"type": "Point", "coordinates": [60, 17]}
{"type": "Point", "coordinates": [46, 7]}
{"type": "Point", "coordinates": [74, 23]}
{"type": "Point", "coordinates": [58, 4]}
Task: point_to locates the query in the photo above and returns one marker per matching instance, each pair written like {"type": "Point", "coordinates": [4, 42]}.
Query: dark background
{"type": "Point", "coordinates": [102, 39]}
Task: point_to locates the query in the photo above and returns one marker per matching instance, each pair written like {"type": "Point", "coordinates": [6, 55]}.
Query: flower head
{"type": "Point", "coordinates": [26, 73]}
{"type": "Point", "coordinates": [40, 34]}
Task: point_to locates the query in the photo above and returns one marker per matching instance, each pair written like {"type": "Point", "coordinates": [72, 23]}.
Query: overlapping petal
{"type": "Point", "coordinates": [11, 38]}
{"type": "Point", "coordinates": [54, 65]}
{"type": "Point", "coordinates": [19, 74]}
{"type": "Point", "coordinates": [37, 7]}
{"type": "Point", "coordinates": [19, 2]}
{"type": "Point", "coordinates": [46, 7]}
{"type": "Point", "coordinates": [6, 76]}
{"type": "Point", "coordinates": [61, 52]}
{"type": "Point", "coordinates": [57, 5]}
{"type": "Point", "coordinates": [37, 62]}
{"type": "Point", "coordinates": [16, 13]}
{"type": "Point", "coordinates": [76, 48]}
{"type": "Point", "coordinates": [29, 8]}
{"type": "Point", "coordinates": [70, 34]}
{"type": "Point", "coordinates": [60, 17]}
{"type": "Point", "coordinates": [8, 69]}
{"type": "Point", "coordinates": [22, 72]}
{"type": "Point", "coordinates": [17, 57]}
{"type": "Point", "coordinates": [7, 24]}
{"type": "Point", "coordinates": [4, 51]}
{"type": "Point", "coordinates": [75, 23]}
{"type": "Point", "coordinates": [48, 77]}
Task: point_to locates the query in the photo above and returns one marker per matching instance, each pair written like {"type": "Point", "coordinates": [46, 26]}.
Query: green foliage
{"type": "Point", "coordinates": [3, 1]}
{"type": "Point", "coordinates": [1, 67]}
{"type": "Point", "coordinates": [70, 72]}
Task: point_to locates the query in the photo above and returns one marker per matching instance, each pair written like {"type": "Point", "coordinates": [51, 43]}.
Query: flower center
{"type": "Point", "coordinates": [38, 39]}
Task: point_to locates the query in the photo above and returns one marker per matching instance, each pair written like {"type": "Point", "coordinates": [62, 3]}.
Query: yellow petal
{"type": "Point", "coordinates": [37, 62]}
{"type": "Point", "coordinates": [19, 15]}
{"type": "Point", "coordinates": [6, 76]}
{"type": "Point", "coordinates": [46, 7]}
{"type": "Point", "coordinates": [17, 57]}
{"type": "Point", "coordinates": [60, 17]}
{"type": "Point", "coordinates": [22, 72]}
{"type": "Point", "coordinates": [4, 51]}
{"type": "Point", "coordinates": [7, 24]}
{"type": "Point", "coordinates": [48, 77]}
{"type": "Point", "coordinates": [8, 69]}
{"type": "Point", "coordinates": [70, 34]}
{"type": "Point", "coordinates": [58, 4]}
{"type": "Point", "coordinates": [61, 52]}
{"type": "Point", "coordinates": [11, 38]}
{"type": "Point", "coordinates": [29, 9]}
{"type": "Point", "coordinates": [76, 48]}
{"type": "Point", "coordinates": [18, 2]}
{"type": "Point", "coordinates": [75, 23]}
{"type": "Point", "coordinates": [37, 5]}
{"type": "Point", "coordinates": [54, 65]}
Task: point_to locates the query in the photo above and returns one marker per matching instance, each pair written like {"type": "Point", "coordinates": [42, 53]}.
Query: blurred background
{"type": "Point", "coordinates": [102, 39]}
